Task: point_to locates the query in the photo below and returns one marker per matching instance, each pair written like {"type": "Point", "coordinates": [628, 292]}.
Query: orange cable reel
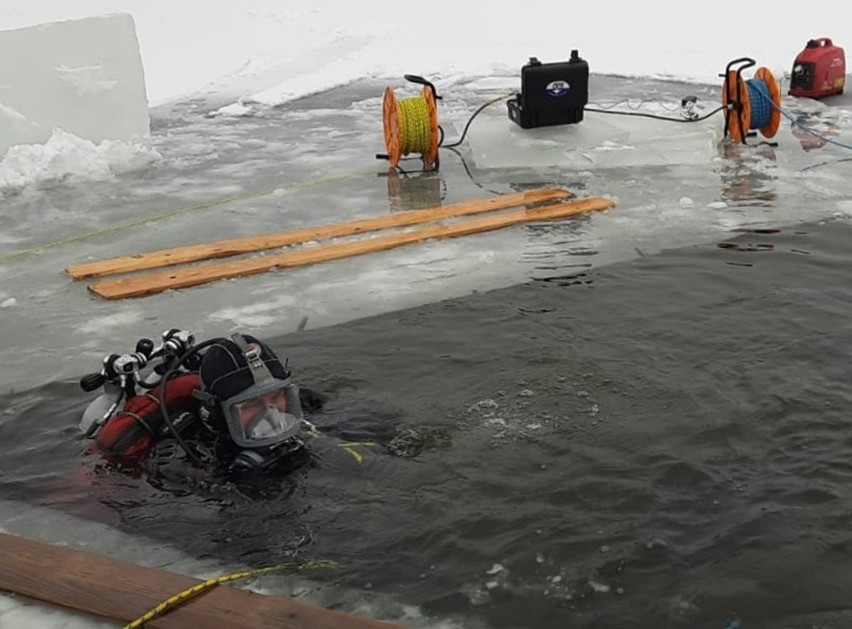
{"type": "Point", "coordinates": [411, 125]}
{"type": "Point", "coordinates": [753, 104]}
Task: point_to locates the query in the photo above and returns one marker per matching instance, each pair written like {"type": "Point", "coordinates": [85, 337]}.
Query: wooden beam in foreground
{"type": "Point", "coordinates": [248, 244]}
{"type": "Point", "coordinates": [148, 284]}
{"type": "Point", "coordinates": [123, 591]}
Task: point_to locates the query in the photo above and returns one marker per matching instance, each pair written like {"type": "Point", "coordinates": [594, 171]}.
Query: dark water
{"type": "Point", "coordinates": [661, 443]}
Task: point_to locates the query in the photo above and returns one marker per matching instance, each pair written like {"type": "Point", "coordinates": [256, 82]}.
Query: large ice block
{"type": "Point", "coordinates": [599, 141]}
{"type": "Point", "coordinates": [83, 76]}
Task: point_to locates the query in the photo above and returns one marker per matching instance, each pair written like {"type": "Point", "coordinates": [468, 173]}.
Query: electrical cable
{"type": "Point", "coordinates": [654, 116]}
{"type": "Point", "coordinates": [470, 120]}
{"type": "Point", "coordinates": [821, 164]}
{"type": "Point", "coordinates": [643, 102]}
{"type": "Point", "coordinates": [764, 97]}
{"type": "Point", "coordinates": [469, 173]}
{"type": "Point", "coordinates": [813, 132]}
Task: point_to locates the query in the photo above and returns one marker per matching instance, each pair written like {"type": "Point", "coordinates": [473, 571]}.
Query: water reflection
{"type": "Point", "coordinates": [748, 174]}
{"type": "Point", "coordinates": [813, 132]}
{"type": "Point", "coordinates": [414, 190]}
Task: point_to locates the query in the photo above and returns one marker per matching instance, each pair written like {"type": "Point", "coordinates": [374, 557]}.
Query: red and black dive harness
{"type": "Point", "coordinates": [173, 387]}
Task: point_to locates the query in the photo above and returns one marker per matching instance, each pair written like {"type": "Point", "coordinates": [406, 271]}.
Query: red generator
{"type": "Point", "coordinates": [819, 70]}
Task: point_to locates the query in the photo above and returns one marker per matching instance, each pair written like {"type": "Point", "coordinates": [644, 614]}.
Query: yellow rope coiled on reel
{"type": "Point", "coordinates": [411, 126]}
{"type": "Point", "coordinates": [414, 125]}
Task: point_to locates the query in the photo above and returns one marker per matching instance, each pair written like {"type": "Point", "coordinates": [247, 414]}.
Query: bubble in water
{"type": "Point", "coordinates": [478, 596]}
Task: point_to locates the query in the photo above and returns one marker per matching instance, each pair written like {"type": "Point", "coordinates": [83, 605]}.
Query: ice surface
{"type": "Point", "coordinates": [313, 163]}
{"type": "Point", "coordinates": [82, 76]}
{"type": "Point", "coordinates": [600, 141]}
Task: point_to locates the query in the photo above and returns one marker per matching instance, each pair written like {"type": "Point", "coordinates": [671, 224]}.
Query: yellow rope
{"type": "Point", "coordinates": [197, 589]}
{"type": "Point", "coordinates": [350, 446]}
{"type": "Point", "coordinates": [414, 128]}
{"type": "Point", "coordinates": [176, 212]}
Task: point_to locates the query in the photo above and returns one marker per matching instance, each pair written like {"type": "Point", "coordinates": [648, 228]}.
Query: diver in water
{"type": "Point", "coordinates": [226, 405]}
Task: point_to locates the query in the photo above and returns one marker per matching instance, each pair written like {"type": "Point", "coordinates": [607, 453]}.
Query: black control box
{"type": "Point", "coordinates": [551, 93]}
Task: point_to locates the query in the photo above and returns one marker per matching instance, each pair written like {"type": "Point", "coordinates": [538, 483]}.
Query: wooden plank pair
{"type": "Point", "coordinates": [150, 283]}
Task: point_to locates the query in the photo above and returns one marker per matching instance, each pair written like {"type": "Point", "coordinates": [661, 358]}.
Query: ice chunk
{"type": "Point", "coordinates": [82, 76]}
{"type": "Point", "coordinates": [65, 155]}
{"type": "Point", "coordinates": [497, 142]}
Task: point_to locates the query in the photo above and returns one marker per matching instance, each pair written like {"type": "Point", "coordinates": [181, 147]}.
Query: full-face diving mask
{"type": "Point", "coordinates": [268, 412]}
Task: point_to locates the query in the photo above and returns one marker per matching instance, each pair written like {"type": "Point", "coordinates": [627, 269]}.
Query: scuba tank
{"type": "Point", "coordinates": [121, 377]}
{"type": "Point", "coordinates": [99, 410]}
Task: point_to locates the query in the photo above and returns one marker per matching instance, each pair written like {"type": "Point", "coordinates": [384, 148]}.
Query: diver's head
{"type": "Point", "coordinates": [253, 394]}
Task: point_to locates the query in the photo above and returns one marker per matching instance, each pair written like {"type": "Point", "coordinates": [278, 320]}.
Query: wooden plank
{"type": "Point", "coordinates": [248, 244]}
{"type": "Point", "coordinates": [150, 283]}
{"type": "Point", "coordinates": [123, 591]}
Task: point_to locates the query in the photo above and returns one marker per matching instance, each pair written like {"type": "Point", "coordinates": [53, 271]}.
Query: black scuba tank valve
{"type": "Point", "coordinates": [92, 381]}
